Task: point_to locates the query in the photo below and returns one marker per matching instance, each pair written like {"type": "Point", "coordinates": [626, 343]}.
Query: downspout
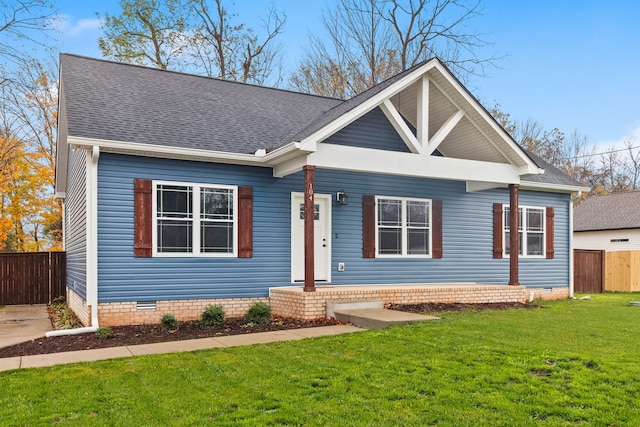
{"type": "Point", "coordinates": [571, 200]}
{"type": "Point", "coordinates": [92, 250]}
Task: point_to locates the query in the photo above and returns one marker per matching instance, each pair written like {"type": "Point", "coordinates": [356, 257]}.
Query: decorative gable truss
{"type": "Point", "coordinates": [449, 135]}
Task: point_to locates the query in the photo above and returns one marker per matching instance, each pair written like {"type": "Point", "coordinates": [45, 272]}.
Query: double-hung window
{"type": "Point", "coordinates": [403, 226]}
{"type": "Point", "coordinates": [195, 219]}
{"type": "Point", "coordinates": [531, 231]}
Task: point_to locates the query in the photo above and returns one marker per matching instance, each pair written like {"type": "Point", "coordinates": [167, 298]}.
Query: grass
{"type": "Point", "coordinates": [571, 363]}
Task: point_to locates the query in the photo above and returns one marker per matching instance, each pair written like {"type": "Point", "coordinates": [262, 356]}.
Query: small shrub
{"type": "Point", "coordinates": [103, 333]}
{"type": "Point", "coordinates": [62, 316]}
{"type": "Point", "coordinates": [259, 313]}
{"type": "Point", "coordinates": [212, 316]}
{"type": "Point", "coordinates": [169, 322]}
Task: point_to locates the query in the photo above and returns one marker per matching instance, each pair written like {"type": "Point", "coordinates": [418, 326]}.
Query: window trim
{"type": "Point", "coordinates": [196, 187]}
{"type": "Point", "coordinates": [505, 208]}
{"type": "Point", "coordinates": [404, 228]}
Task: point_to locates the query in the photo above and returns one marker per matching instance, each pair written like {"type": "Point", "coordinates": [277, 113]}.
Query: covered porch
{"type": "Point", "coordinates": [293, 301]}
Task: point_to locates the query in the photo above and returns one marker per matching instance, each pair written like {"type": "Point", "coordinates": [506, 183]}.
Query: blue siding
{"type": "Point", "coordinates": [467, 234]}
{"type": "Point", "coordinates": [76, 222]}
{"type": "Point", "coordinates": [372, 130]}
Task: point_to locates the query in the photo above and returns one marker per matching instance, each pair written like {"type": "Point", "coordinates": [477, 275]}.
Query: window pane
{"type": "Point", "coordinates": [390, 241]}
{"type": "Point", "coordinates": [316, 212]}
{"type": "Point", "coordinates": [174, 236]}
{"type": "Point", "coordinates": [534, 244]}
{"type": "Point", "coordinates": [174, 201]}
{"type": "Point", "coordinates": [534, 220]}
{"type": "Point", "coordinates": [216, 203]}
{"type": "Point", "coordinates": [417, 214]}
{"type": "Point", "coordinates": [418, 241]}
{"type": "Point", "coordinates": [216, 237]}
{"type": "Point", "coordinates": [507, 243]}
{"type": "Point", "coordinates": [389, 212]}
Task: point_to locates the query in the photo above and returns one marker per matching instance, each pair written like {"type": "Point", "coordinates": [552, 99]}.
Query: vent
{"type": "Point", "coordinates": [619, 240]}
{"type": "Point", "coordinates": [547, 290]}
{"type": "Point", "coordinates": [145, 305]}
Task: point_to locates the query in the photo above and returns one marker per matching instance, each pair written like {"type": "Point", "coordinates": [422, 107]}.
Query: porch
{"type": "Point", "coordinates": [293, 301]}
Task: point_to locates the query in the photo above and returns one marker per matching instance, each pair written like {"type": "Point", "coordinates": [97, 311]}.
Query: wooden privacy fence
{"type": "Point", "coordinates": [622, 271]}
{"type": "Point", "coordinates": [588, 271]}
{"type": "Point", "coordinates": [32, 277]}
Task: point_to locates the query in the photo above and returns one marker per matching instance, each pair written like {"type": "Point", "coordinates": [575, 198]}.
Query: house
{"type": "Point", "coordinates": [181, 191]}
{"type": "Point", "coordinates": [610, 223]}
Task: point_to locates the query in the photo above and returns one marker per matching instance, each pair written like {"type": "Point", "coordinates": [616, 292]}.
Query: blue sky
{"type": "Point", "coordinates": [569, 64]}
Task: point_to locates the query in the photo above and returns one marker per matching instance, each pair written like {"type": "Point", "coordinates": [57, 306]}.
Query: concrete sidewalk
{"type": "Point", "coordinates": [20, 323]}
{"type": "Point", "coordinates": [171, 347]}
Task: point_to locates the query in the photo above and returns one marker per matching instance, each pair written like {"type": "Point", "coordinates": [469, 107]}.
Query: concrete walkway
{"type": "Point", "coordinates": [170, 347]}
{"type": "Point", "coordinates": [20, 323]}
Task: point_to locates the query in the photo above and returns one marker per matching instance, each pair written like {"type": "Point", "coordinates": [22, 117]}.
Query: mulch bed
{"type": "Point", "coordinates": [147, 334]}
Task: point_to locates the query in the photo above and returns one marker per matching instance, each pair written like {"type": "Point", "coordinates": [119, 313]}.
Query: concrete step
{"type": "Point", "coordinates": [333, 306]}
{"type": "Point", "coordinates": [379, 318]}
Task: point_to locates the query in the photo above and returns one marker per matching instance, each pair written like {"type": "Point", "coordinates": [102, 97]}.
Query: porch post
{"type": "Point", "coordinates": [513, 234]}
{"type": "Point", "coordinates": [309, 256]}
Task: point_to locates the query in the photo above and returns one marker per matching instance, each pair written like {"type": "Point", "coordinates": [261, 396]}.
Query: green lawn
{"type": "Point", "coordinates": [570, 363]}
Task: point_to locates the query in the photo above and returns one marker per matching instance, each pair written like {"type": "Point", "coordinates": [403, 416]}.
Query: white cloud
{"type": "Point", "coordinates": [83, 25]}
{"type": "Point", "coordinates": [619, 143]}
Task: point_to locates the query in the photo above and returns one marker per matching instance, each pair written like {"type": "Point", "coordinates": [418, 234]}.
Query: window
{"type": "Point", "coordinates": [531, 231]}
{"type": "Point", "coordinates": [403, 226]}
{"type": "Point", "coordinates": [195, 219]}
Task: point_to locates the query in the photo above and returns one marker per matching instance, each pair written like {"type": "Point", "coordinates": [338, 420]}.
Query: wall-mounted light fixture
{"type": "Point", "coordinates": [342, 198]}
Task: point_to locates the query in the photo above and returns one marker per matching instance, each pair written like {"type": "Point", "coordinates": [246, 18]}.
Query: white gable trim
{"type": "Point", "coordinates": [400, 126]}
{"type": "Point", "coordinates": [444, 130]}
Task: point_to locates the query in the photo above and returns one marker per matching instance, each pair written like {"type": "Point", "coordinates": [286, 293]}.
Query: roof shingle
{"type": "Point", "coordinates": [608, 212]}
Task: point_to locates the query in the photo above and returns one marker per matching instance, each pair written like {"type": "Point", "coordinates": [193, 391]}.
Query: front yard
{"type": "Point", "coordinates": [570, 363]}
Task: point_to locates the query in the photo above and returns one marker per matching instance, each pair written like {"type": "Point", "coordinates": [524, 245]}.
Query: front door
{"type": "Point", "coordinates": [322, 237]}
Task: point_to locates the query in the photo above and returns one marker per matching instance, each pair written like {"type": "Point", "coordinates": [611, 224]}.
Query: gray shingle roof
{"type": "Point", "coordinates": [551, 175]}
{"type": "Point", "coordinates": [608, 212]}
{"type": "Point", "coordinates": [121, 102]}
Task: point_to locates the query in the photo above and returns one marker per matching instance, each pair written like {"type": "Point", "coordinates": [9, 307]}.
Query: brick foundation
{"type": "Point", "coordinates": [293, 302]}
{"type": "Point", "coordinates": [127, 313]}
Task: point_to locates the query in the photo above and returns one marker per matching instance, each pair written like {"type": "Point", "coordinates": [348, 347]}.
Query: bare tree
{"type": "Point", "coordinates": [371, 40]}
{"type": "Point", "coordinates": [232, 51]}
{"type": "Point", "coordinates": [147, 32]}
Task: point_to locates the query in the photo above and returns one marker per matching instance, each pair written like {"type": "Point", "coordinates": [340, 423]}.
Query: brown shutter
{"type": "Point", "coordinates": [436, 211]}
{"type": "Point", "coordinates": [142, 217]}
{"type": "Point", "coordinates": [550, 233]}
{"type": "Point", "coordinates": [368, 226]}
{"type": "Point", "coordinates": [245, 222]}
{"type": "Point", "coordinates": [497, 230]}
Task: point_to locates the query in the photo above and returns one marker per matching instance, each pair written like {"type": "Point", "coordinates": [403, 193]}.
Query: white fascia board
{"type": "Point", "coordinates": [473, 186]}
{"type": "Point", "coordinates": [290, 166]}
{"type": "Point", "coordinates": [357, 159]}
{"type": "Point", "coordinates": [152, 150]}
{"type": "Point", "coordinates": [400, 126]}
{"type": "Point", "coordinates": [553, 188]}
{"type": "Point", "coordinates": [483, 113]}
{"type": "Point", "coordinates": [366, 106]}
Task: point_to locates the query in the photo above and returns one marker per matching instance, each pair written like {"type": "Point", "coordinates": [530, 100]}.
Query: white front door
{"type": "Point", "coordinates": [322, 237]}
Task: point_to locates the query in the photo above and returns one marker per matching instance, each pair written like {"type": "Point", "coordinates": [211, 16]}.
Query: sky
{"type": "Point", "coordinates": [568, 64]}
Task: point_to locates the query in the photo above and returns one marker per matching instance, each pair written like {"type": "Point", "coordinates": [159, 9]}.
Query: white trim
{"type": "Point", "coordinates": [505, 206]}
{"type": "Point", "coordinates": [356, 159]}
{"type": "Point", "coordinates": [444, 131]}
{"type": "Point", "coordinates": [571, 243]}
{"type": "Point", "coordinates": [404, 228]}
{"type": "Point", "coordinates": [422, 112]}
{"type": "Point", "coordinates": [195, 211]}
{"type": "Point", "coordinates": [559, 188]}
{"type": "Point", "coordinates": [328, 230]}
{"type": "Point", "coordinates": [92, 233]}
{"type": "Point", "coordinates": [400, 126]}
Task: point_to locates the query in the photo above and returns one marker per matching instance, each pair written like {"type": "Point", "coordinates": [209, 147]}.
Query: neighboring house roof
{"type": "Point", "coordinates": [608, 212]}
